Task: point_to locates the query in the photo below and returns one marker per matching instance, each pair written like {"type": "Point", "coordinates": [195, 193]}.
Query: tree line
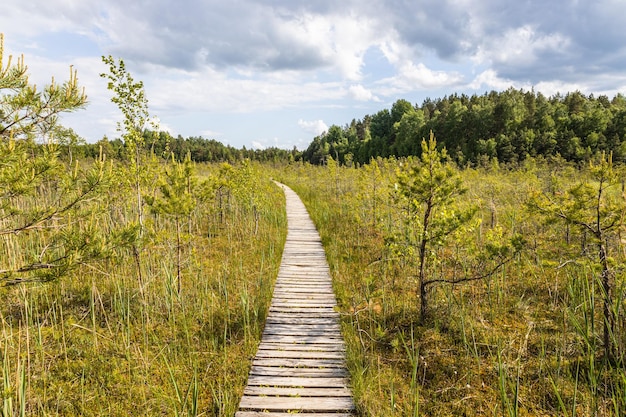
{"type": "Point", "coordinates": [165, 145]}
{"type": "Point", "coordinates": [506, 126]}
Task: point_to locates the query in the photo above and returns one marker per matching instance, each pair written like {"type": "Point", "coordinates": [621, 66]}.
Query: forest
{"type": "Point", "coordinates": [509, 126]}
{"type": "Point", "coordinates": [476, 246]}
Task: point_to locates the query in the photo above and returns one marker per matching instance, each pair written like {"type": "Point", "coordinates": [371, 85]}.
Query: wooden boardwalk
{"type": "Point", "coordinates": [300, 364]}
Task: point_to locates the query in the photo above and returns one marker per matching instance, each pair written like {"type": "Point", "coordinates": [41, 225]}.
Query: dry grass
{"type": "Point", "coordinates": [524, 342]}
{"type": "Point", "coordinates": [99, 342]}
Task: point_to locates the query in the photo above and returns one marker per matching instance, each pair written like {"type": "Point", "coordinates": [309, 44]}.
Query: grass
{"type": "Point", "coordinates": [100, 342]}
{"type": "Point", "coordinates": [524, 342]}
{"type": "Point", "coordinates": [167, 324]}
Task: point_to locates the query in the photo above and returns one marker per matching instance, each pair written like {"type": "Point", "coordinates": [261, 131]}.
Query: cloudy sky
{"type": "Point", "coordinates": [261, 73]}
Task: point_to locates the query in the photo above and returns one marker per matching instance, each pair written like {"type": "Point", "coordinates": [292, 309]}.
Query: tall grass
{"type": "Point", "coordinates": [101, 342]}
{"type": "Point", "coordinates": [525, 341]}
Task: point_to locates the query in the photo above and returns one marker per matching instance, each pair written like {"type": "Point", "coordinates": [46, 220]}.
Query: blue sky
{"type": "Point", "coordinates": [279, 72]}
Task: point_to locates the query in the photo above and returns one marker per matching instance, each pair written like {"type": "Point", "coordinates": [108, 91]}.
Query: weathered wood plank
{"type": "Point", "coordinates": [297, 403]}
{"type": "Point", "coordinates": [287, 414]}
{"type": "Point", "coordinates": [299, 372]}
{"type": "Point", "coordinates": [261, 354]}
{"type": "Point", "coordinates": [297, 392]}
{"type": "Point", "coordinates": [334, 334]}
{"type": "Point", "coordinates": [302, 320]}
{"type": "Point", "coordinates": [304, 301]}
{"type": "Point", "coordinates": [307, 382]}
{"type": "Point", "coordinates": [332, 314]}
{"type": "Point", "coordinates": [309, 347]}
{"type": "Point", "coordinates": [299, 363]}
{"type": "Point", "coordinates": [303, 339]}
{"type": "Point", "coordinates": [311, 310]}
{"type": "Point", "coordinates": [302, 327]}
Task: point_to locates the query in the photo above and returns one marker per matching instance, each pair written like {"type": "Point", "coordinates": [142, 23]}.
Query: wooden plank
{"type": "Point", "coordinates": [302, 320]}
{"type": "Point", "coordinates": [300, 363]}
{"type": "Point", "coordinates": [332, 334]}
{"type": "Point", "coordinates": [296, 289]}
{"type": "Point", "coordinates": [299, 372]}
{"type": "Point", "coordinates": [307, 382]}
{"type": "Point", "coordinates": [296, 403]}
{"type": "Point", "coordinates": [263, 353]}
{"type": "Point", "coordinates": [325, 314]}
{"type": "Point", "coordinates": [304, 304]}
{"type": "Point", "coordinates": [301, 327]}
{"type": "Point", "coordinates": [302, 339]}
{"type": "Point", "coordinates": [309, 347]}
{"type": "Point", "coordinates": [297, 307]}
{"type": "Point", "coordinates": [323, 301]}
{"type": "Point", "coordinates": [297, 392]}
{"type": "Point", "coordinates": [287, 414]}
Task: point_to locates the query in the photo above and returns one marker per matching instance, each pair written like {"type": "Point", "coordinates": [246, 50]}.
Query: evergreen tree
{"type": "Point", "coordinates": [41, 198]}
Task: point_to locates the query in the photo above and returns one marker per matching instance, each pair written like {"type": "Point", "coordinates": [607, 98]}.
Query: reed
{"type": "Point", "coordinates": [526, 340]}
{"type": "Point", "coordinates": [114, 337]}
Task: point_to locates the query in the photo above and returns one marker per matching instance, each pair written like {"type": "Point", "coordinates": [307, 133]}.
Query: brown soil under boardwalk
{"type": "Point", "coordinates": [300, 365]}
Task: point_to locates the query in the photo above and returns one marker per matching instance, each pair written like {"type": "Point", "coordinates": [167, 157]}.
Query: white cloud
{"type": "Point", "coordinates": [317, 127]}
{"type": "Point", "coordinates": [490, 80]}
{"type": "Point", "coordinates": [210, 134]}
{"type": "Point", "coordinates": [520, 46]}
{"type": "Point", "coordinates": [550, 88]}
{"type": "Point", "coordinates": [414, 77]}
{"type": "Point", "coordinates": [360, 93]}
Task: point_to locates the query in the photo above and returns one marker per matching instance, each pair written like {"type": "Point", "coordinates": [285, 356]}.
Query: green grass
{"type": "Point", "coordinates": [100, 342]}
{"type": "Point", "coordinates": [526, 341]}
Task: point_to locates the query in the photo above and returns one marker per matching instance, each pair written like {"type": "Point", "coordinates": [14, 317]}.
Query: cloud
{"type": "Point", "coordinates": [246, 56]}
{"type": "Point", "coordinates": [415, 77]}
{"type": "Point", "coordinates": [360, 93]}
{"type": "Point", "coordinates": [490, 80]}
{"type": "Point", "coordinates": [316, 127]}
{"type": "Point", "coordinates": [523, 53]}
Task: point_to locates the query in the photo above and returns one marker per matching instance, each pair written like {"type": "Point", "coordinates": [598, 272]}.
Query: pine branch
{"type": "Point", "coordinates": [470, 278]}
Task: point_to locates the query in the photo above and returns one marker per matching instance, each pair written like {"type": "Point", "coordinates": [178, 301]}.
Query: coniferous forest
{"type": "Point", "coordinates": [476, 245]}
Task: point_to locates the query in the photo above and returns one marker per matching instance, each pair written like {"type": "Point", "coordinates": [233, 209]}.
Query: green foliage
{"type": "Point", "coordinates": [595, 206]}
{"type": "Point", "coordinates": [29, 113]}
{"type": "Point", "coordinates": [45, 205]}
{"type": "Point", "coordinates": [177, 190]}
{"type": "Point", "coordinates": [129, 96]}
{"type": "Point", "coordinates": [49, 207]}
{"type": "Point", "coordinates": [521, 336]}
{"type": "Point", "coordinates": [509, 126]}
{"type": "Point", "coordinates": [101, 343]}
{"type": "Point", "coordinates": [428, 190]}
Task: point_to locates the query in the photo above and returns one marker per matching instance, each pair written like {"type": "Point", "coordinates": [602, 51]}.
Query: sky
{"type": "Point", "coordinates": [277, 73]}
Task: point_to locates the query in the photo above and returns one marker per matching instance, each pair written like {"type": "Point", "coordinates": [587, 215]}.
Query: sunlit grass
{"type": "Point", "coordinates": [99, 342]}
{"type": "Point", "coordinates": [525, 341]}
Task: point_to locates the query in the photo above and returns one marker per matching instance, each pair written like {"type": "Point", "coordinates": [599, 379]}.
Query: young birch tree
{"type": "Point", "coordinates": [132, 102]}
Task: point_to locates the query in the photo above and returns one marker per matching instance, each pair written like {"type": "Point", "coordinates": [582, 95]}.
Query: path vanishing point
{"type": "Point", "coordinates": [300, 364]}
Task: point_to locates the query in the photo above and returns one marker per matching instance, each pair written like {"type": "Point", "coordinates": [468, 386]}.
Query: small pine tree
{"type": "Point", "coordinates": [596, 207]}
{"type": "Point", "coordinates": [428, 189]}
{"type": "Point", "coordinates": [40, 197]}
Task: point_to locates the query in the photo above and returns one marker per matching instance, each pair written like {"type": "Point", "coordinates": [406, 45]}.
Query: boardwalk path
{"type": "Point", "coordinates": [300, 364]}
